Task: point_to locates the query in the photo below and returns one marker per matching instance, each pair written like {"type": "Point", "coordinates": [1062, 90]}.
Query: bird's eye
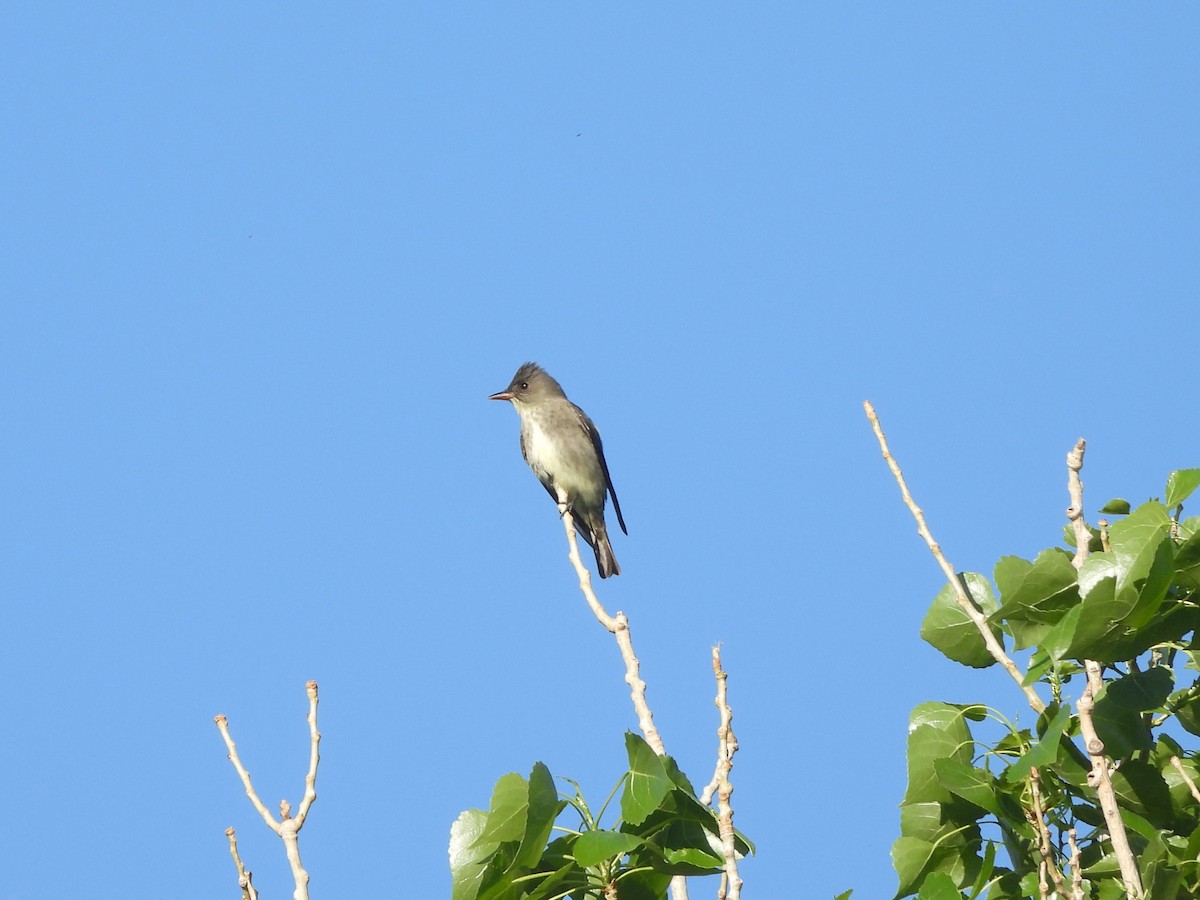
{"type": "Point", "coordinates": [524, 385]}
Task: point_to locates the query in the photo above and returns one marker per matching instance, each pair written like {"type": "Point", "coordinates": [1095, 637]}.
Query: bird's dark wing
{"type": "Point", "coordinates": [590, 427]}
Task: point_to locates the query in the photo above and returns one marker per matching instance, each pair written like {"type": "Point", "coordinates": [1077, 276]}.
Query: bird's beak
{"type": "Point", "coordinates": [503, 395]}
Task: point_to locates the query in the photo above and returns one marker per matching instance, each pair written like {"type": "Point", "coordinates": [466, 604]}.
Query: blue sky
{"type": "Point", "coordinates": [265, 262]}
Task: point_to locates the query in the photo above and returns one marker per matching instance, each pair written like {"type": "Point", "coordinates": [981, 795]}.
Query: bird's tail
{"type": "Point", "coordinates": [606, 563]}
{"type": "Point", "coordinates": [595, 535]}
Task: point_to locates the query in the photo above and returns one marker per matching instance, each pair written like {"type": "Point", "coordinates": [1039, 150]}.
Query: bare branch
{"type": "Point", "coordinates": [245, 877]}
{"type": "Point", "coordinates": [1083, 537]}
{"type": "Point", "coordinates": [1076, 867]}
{"type": "Point", "coordinates": [314, 757]}
{"type": "Point", "coordinates": [618, 626]}
{"type": "Point", "coordinates": [1099, 778]}
{"type": "Point", "coordinates": [964, 601]}
{"type": "Point", "coordinates": [727, 746]}
{"type": "Point", "coordinates": [223, 727]}
{"type": "Point", "coordinates": [287, 827]}
{"type": "Point", "coordinates": [1037, 817]}
{"type": "Point", "coordinates": [1178, 764]}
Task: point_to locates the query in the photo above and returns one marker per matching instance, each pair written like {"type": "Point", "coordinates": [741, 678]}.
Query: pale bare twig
{"type": "Point", "coordinates": [1099, 777]}
{"type": "Point", "coordinates": [1083, 537]}
{"type": "Point", "coordinates": [1076, 867]}
{"type": "Point", "coordinates": [287, 827]}
{"type": "Point", "coordinates": [618, 626]}
{"type": "Point", "coordinates": [245, 876]}
{"type": "Point", "coordinates": [1178, 764]}
{"type": "Point", "coordinates": [727, 745]}
{"type": "Point", "coordinates": [1038, 818]}
{"type": "Point", "coordinates": [1100, 780]}
{"type": "Point", "coordinates": [960, 592]}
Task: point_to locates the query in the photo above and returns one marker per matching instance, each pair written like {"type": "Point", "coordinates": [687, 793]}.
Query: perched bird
{"type": "Point", "coordinates": [562, 446]}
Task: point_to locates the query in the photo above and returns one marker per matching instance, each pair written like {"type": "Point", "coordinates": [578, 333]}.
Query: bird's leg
{"type": "Point", "coordinates": [564, 505]}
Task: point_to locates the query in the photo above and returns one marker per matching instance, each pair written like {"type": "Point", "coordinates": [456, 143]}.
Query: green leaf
{"type": "Point", "coordinates": [542, 808]}
{"type": "Point", "coordinates": [948, 628]}
{"type": "Point", "coordinates": [639, 885]}
{"type": "Point", "coordinates": [595, 847]}
{"type": "Point", "coordinates": [1115, 507]}
{"type": "Point", "coordinates": [1189, 715]}
{"type": "Point", "coordinates": [921, 820]}
{"type": "Point", "coordinates": [1035, 595]}
{"type": "Point", "coordinates": [506, 816]}
{"type": "Point", "coordinates": [1141, 691]}
{"type": "Point", "coordinates": [939, 886]}
{"type": "Point", "coordinates": [909, 857]}
{"type": "Point", "coordinates": [936, 731]}
{"type": "Point", "coordinates": [946, 717]}
{"type": "Point", "coordinates": [468, 856]}
{"type": "Point", "coordinates": [648, 782]}
{"type": "Point", "coordinates": [1058, 641]}
{"type": "Point", "coordinates": [1044, 752]}
{"type": "Point", "coordinates": [1180, 485]}
{"type": "Point", "coordinates": [1135, 539]}
{"type": "Point", "coordinates": [1140, 788]}
{"type": "Point", "coordinates": [845, 895]}
{"type": "Point", "coordinates": [985, 870]}
{"type": "Point", "coordinates": [1040, 664]}
{"type": "Point", "coordinates": [969, 782]}
{"type": "Point", "coordinates": [1123, 612]}
{"type": "Point", "coordinates": [1188, 528]}
{"type": "Point", "coordinates": [1118, 715]}
{"type": "Point", "coordinates": [1187, 562]}
{"type": "Point", "coordinates": [1163, 881]}
{"type": "Point", "coordinates": [695, 858]}
{"type": "Point", "coordinates": [1181, 792]}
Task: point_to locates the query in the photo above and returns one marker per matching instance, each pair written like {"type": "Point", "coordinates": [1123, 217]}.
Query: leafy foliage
{"type": "Point", "coordinates": [996, 816]}
{"type": "Point", "coordinates": [505, 853]}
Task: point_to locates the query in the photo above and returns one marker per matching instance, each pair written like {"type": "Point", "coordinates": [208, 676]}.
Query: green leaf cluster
{"type": "Point", "coordinates": [506, 853]}
{"type": "Point", "coordinates": [969, 819]}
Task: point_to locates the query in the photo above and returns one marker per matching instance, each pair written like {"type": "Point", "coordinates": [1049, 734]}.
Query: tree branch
{"type": "Point", "coordinates": [618, 626]}
{"type": "Point", "coordinates": [1098, 778]}
{"type": "Point", "coordinates": [245, 877]}
{"type": "Point", "coordinates": [727, 746]}
{"type": "Point", "coordinates": [287, 827]}
{"type": "Point", "coordinates": [1038, 818]}
{"type": "Point", "coordinates": [1178, 764]}
{"type": "Point", "coordinates": [995, 648]}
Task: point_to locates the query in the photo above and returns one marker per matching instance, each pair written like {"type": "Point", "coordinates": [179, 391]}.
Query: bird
{"type": "Point", "coordinates": [562, 446]}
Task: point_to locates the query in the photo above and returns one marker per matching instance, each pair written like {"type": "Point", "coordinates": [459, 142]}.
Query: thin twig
{"type": "Point", "coordinates": [618, 626]}
{"type": "Point", "coordinates": [245, 877]}
{"type": "Point", "coordinates": [1178, 764]}
{"type": "Point", "coordinates": [1083, 537]}
{"type": "Point", "coordinates": [727, 746]}
{"type": "Point", "coordinates": [964, 601]}
{"type": "Point", "coordinates": [314, 756]}
{"type": "Point", "coordinates": [1099, 777]}
{"type": "Point", "coordinates": [1038, 817]}
{"type": "Point", "coordinates": [223, 727]}
{"type": "Point", "coordinates": [287, 827]}
{"type": "Point", "coordinates": [1076, 867]}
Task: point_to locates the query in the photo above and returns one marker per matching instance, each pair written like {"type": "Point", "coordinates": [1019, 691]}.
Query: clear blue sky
{"type": "Point", "coordinates": [264, 262]}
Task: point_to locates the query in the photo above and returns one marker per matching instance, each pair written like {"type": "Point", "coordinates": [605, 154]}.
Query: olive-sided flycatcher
{"type": "Point", "coordinates": [562, 446]}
